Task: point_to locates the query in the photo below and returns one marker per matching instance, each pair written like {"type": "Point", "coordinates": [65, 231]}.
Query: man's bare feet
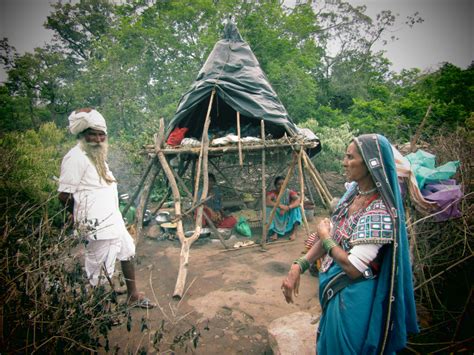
{"type": "Point", "coordinates": [140, 301]}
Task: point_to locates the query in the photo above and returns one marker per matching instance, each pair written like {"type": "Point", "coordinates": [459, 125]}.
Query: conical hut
{"type": "Point", "coordinates": [231, 110]}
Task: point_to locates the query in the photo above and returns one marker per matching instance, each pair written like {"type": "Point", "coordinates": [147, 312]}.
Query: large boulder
{"type": "Point", "coordinates": [294, 334]}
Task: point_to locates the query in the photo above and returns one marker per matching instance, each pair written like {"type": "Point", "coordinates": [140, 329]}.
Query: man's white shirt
{"type": "Point", "coordinates": [96, 205]}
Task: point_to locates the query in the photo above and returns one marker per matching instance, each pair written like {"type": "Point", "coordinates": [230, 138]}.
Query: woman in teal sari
{"type": "Point", "coordinates": [288, 212]}
{"type": "Point", "coordinates": [365, 281]}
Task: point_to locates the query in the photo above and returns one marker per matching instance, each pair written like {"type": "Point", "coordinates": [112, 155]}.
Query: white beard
{"type": "Point", "coordinates": [97, 154]}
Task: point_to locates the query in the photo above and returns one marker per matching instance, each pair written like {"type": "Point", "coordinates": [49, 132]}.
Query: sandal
{"type": "Point", "coordinates": [143, 303]}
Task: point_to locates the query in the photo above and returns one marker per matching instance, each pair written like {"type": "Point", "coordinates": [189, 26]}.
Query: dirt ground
{"type": "Point", "coordinates": [231, 297]}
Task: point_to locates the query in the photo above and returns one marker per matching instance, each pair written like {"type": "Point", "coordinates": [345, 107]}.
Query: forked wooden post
{"type": "Point", "coordinates": [239, 141]}
{"type": "Point", "coordinates": [187, 242]}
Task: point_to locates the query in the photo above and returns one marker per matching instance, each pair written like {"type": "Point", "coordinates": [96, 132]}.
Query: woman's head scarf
{"type": "Point", "coordinates": [394, 304]}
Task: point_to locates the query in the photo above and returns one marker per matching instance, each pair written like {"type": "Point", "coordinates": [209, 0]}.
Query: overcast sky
{"type": "Point", "coordinates": [446, 35]}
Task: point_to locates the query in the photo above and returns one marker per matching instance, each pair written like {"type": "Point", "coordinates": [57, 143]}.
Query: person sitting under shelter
{"type": "Point", "coordinates": [288, 213]}
{"type": "Point", "coordinates": [213, 207]}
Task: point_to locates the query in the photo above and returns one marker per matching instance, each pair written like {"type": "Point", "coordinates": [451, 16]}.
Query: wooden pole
{"type": "Point", "coordinates": [241, 160]}
{"type": "Point", "coordinates": [280, 194]}
{"type": "Point", "coordinates": [264, 190]}
{"type": "Point", "coordinates": [140, 185]}
{"type": "Point", "coordinates": [308, 189]}
{"type": "Point", "coordinates": [319, 183]}
{"type": "Point", "coordinates": [301, 178]}
{"type": "Point", "coordinates": [140, 211]}
{"type": "Point", "coordinates": [318, 191]}
{"type": "Point", "coordinates": [318, 176]}
{"type": "Point", "coordinates": [204, 137]}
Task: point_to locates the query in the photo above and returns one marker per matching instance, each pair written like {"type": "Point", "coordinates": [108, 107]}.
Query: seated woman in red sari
{"type": "Point", "coordinates": [288, 213]}
{"type": "Point", "coordinates": [213, 207]}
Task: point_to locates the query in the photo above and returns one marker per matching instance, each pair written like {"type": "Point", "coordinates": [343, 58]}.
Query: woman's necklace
{"type": "Point", "coordinates": [365, 193]}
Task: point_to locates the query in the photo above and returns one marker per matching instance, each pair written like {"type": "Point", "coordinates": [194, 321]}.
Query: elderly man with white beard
{"type": "Point", "coordinates": [89, 190]}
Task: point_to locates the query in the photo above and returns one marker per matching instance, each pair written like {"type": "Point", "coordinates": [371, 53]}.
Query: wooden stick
{"type": "Point", "coordinates": [140, 185]}
{"type": "Point", "coordinates": [203, 138]}
{"type": "Point", "coordinates": [301, 179]}
{"type": "Point", "coordinates": [445, 270]}
{"type": "Point", "coordinates": [241, 161]}
{"type": "Point", "coordinates": [311, 178]}
{"type": "Point", "coordinates": [316, 183]}
{"type": "Point", "coordinates": [311, 198]}
{"type": "Point", "coordinates": [280, 194]}
{"type": "Point", "coordinates": [231, 148]}
{"type": "Point", "coordinates": [419, 130]}
{"type": "Point", "coordinates": [264, 190]}
{"type": "Point", "coordinates": [318, 176]}
{"type": "Point", "coordinates": [140, 211]}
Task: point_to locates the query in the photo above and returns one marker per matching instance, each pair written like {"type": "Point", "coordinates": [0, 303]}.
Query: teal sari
{"type": "Point", "coordinates": [283, 224]}
{"type": "Point", "coordinates": [373, 316]}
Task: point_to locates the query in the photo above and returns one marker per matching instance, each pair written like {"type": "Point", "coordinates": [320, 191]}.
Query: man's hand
{"type": "Point", "coordinates": [291, 284]}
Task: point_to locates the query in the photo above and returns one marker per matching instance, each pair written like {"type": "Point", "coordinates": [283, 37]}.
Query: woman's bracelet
{"type": "Point", "coordinates": [328, 244]}
{"type": "Point", "coordinates": [303, 263]}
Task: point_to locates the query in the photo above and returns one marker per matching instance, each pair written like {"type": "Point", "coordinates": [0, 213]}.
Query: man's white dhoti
{"type": "Point", "coordinates": [101, 256]}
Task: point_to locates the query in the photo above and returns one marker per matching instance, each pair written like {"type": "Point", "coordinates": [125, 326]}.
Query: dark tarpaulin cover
{"type": "Point", "coordinates": [234, 72]}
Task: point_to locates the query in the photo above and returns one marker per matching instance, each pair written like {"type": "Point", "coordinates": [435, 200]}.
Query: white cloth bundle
{"type": "Point", "coordinates": [80, 121]}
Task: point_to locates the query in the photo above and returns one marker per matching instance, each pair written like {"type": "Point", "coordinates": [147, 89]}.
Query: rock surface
{"type": "Point", "coordinates": [294, 334]}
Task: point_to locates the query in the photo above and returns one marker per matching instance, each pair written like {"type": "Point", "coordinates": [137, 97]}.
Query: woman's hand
{"type": "Point", "coordinates": [324, 229]}
{"type": "Point", "coordinates": [284, 208]}
{"type": "Point", "coordinates": [291, 284]}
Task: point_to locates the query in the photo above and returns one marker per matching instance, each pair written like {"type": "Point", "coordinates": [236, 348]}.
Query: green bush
{"type": "Point", "coordinates": [334, 141]}
{"type": "Point", "coordinates": [29, 161]}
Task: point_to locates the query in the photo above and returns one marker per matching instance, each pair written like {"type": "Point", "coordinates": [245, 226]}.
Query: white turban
{"type": "Point", "coordinates": [80, 121]}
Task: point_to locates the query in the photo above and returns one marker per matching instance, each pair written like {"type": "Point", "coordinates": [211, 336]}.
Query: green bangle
{"type": "Point", "coordinates": [328, 244]}
{"type": "Point", "coordinates": [303, 263]}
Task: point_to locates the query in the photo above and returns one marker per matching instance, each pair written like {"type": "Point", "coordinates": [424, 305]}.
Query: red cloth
{"type": "Point", "coordinates": [177, 135]}
{"type": "Point", "coordinates": [226, 221]}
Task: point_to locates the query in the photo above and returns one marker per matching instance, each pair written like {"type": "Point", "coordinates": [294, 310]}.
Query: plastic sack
{"type": "Point", "coordinates": [243, 228]}
{"type": "Point", "coordinates": [423, 166]}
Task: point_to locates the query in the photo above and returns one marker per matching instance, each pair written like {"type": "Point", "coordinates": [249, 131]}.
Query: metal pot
{"type": "Point", "coordinates": [147, 217]}
{"type": "Point", "coordinates": [205, 233]}
{"type": "Point", "coordinates": [162, 217]}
